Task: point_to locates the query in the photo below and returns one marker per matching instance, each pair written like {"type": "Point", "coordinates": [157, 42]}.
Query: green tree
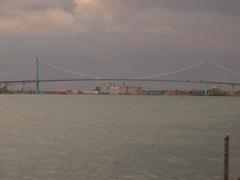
{"type": "Point", "coordinates": [4, 89]}
{"type": "Point", "coordinates": [216, 92]}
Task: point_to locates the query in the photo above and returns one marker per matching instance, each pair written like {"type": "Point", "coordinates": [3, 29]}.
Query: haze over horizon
{"type": "Point", "coordinates": [116, 38]}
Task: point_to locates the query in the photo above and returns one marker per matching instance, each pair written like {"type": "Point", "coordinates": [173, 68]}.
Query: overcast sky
{"type": "Point", "coordinates": [119, 37]}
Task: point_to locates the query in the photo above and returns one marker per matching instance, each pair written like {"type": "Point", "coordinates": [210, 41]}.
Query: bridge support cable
{"type": "Point", "coordinates": [68, 71]}
{"type": "Point", "coordinates": [172, 72]}
{"type": "Point", "coordinates": [224, 68]}
{"type": "Point", "coordinates": [16, 70]}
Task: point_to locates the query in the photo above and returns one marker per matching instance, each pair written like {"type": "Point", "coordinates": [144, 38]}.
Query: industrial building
{"type": "Point", "coordinates": [125, 90]}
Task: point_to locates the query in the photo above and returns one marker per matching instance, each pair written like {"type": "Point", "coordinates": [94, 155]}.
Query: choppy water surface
{"type": "Point", "coordinates": [117, 137]}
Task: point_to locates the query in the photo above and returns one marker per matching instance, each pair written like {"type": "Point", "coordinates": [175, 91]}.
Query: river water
{"type": "Point", "coordinates": [117, 137]}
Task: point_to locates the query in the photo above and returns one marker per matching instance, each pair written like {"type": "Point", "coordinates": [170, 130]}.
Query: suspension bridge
{"type": "Point", "coordinates": [151, 78]}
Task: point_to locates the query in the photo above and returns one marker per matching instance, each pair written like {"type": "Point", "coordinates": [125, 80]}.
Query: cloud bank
{"type": "Point", "coordinates": [138, 36]}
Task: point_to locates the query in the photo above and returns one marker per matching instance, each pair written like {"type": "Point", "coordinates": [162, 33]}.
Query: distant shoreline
{"type": "Point", "coordinates": [52, 94]}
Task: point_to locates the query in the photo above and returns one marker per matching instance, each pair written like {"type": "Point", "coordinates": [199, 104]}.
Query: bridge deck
{"type": "Point", "coordinates": [119, 79]}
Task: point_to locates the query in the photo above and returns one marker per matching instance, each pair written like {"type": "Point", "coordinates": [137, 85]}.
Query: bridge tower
{"type": "Point", "coordinates": [37, 77]}
{"type": "Point", "coordinates": [233, 88]}
{"type": "Point", "coordinates": [206, 78]}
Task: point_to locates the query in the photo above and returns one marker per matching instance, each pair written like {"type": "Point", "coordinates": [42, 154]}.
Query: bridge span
{"type": "Point", "coordinates": [91, 78]}
{"type": "Point", "coordinates": [118, 79]}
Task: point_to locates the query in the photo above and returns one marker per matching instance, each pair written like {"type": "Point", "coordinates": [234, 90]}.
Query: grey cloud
{"type": "Point", "coordinates": [229, 7]}
{"type": "Point", "coordinates": [225, 7]}
{"type": "Point", "coordinates": [41, 5]}
{"type": "Point", "coordinates": [9, 7]}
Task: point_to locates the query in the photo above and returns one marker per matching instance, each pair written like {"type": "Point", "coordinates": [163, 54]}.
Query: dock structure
{"type": "Point", "coordinates": [37, 80]}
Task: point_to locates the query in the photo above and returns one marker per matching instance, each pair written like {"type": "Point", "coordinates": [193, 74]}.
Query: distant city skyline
{"type": "Point", "coordinates": [119, 38]}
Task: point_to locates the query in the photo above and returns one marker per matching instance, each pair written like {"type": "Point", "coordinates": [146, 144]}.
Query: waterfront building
{"type": "Point", "coordinates": [125, 90]}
